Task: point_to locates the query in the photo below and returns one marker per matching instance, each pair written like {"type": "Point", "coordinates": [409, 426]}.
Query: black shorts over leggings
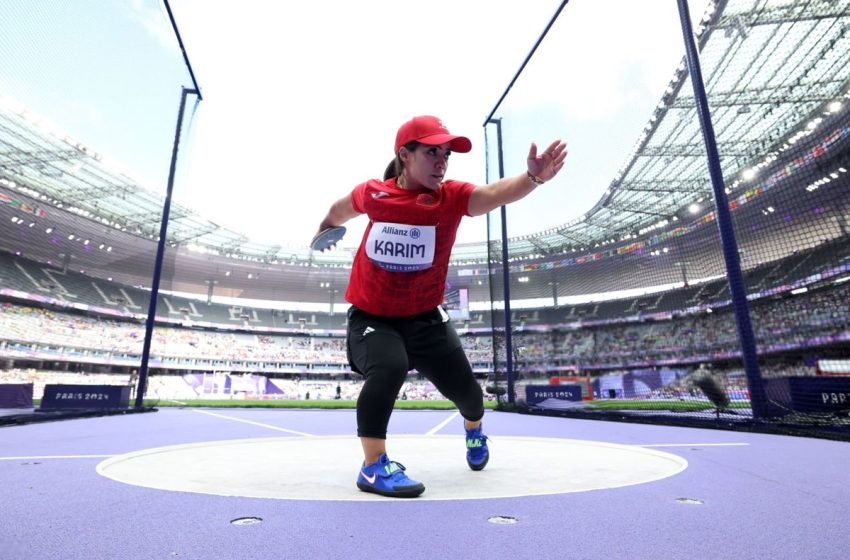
{"type": "Point", "coordinates": [384, 349]}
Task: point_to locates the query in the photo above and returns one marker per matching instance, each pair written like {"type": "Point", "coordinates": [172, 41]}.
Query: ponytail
{"type": "Point", "coordinates": [393, 169]}
{"type": "Point", "coordinates": [395, 166]}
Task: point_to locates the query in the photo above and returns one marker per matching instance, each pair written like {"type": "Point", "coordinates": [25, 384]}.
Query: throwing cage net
{"type": "Point", "coordinates": [636, 291]}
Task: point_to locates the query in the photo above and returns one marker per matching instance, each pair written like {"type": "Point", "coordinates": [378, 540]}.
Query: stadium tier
{"type": "Point", "coordinates": [79, 316]}
{"type": "Point", "coordinates": [49, 283]}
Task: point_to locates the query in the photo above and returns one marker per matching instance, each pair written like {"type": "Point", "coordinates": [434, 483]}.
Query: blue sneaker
{"type": "Point", "coordinates": [477, 453]}
{"type": "Point", "coordinates": [387, 478]}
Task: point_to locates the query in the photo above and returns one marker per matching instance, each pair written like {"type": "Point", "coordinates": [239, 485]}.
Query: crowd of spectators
{"type": "Point", "coordinates": [176, 387]}
{"type": "Point", "coordinates": [811, 318]}
{"type": "Point", "coordinates": [822, 316]}
{"type": "Point", "coordinates": [94, 336]}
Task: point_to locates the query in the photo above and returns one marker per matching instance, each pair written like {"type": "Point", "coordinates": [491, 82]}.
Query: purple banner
{"type": "Point", "coordinates": [85, 396]}
{"type": "Point", "coordinates": [16, 395]}
{"type": "Point", "coordinates": [538, 393]}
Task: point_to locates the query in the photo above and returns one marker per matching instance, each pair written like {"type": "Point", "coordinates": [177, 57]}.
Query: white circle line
{"type": "Point", "coordinates": [675, 465]}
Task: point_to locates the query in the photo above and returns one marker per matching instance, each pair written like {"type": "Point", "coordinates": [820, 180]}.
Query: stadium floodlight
{"type": "Point", "coordinates": [834, 107]}
{"type": "Point", "coordinates": [694, 208]}
{"type": "Point", "coordinates": [749, 174]}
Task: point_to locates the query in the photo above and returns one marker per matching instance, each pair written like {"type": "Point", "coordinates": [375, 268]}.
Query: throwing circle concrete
{"type": "Point", "coordinates": [325, 468]}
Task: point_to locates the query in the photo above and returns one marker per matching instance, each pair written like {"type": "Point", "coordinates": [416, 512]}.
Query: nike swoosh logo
{"type": "Point", "coordinates": [369, 479]}
{"type": "Point", "coordinates": [380, 194]}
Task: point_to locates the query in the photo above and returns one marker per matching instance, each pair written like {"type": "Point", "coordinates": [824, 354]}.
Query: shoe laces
{"type": "Point", "coordinates": [476, 433]}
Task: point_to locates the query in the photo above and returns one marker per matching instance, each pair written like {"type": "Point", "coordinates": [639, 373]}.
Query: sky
{"type": "Point", "coordinates": [301, 101]}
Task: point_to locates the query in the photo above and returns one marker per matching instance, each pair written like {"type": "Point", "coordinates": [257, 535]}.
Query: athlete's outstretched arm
{"type": "Point", "coordinates": [510, 189]}
{"type": "Point", "coordinates": [340, 212]}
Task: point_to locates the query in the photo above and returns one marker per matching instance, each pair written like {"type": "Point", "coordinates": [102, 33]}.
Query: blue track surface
{"type": "Point", "coordinates": [773, 497]}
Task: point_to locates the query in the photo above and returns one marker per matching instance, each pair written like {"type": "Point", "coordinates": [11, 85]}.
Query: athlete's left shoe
{"type": "Point", "coordinates": [477, 453]}
{"type": "Point", "coordinates": [387, 478]}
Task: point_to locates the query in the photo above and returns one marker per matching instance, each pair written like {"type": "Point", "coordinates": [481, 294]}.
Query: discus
{"type": "Point", "coordinates": [327, 238]}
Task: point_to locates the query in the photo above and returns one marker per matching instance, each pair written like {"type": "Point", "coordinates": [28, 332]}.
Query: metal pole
{"type": "Point", "coordinates": [182, 49]}
{"type": "Point", "coordinates": [552, 21]}
{"type": "Point", "coordinates": [758, 399]}
{"type": "Point", "coordinates": [506, 277]}
{"type": "Point", "coordinates": [160, 254]}
{"type": "Point", "coordinates": [495, 349]}
{"type": "Point", "coordinates": [506, 274]}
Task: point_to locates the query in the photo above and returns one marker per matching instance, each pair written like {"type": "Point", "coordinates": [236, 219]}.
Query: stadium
{"type": "Point", "coordinates": [677, 302]}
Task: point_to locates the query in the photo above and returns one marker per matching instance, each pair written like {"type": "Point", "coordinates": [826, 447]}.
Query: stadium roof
{"type": "Point", "coordinates": [771, 69]}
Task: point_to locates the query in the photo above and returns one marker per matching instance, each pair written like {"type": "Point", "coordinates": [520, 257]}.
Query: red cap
{"type": "Point", "coordinates": [430, 130]}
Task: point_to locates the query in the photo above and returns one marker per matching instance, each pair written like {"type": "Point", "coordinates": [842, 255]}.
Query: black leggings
{"type": "Point", "coordinates": [384, 349]}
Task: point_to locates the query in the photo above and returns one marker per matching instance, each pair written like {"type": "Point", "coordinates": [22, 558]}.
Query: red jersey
{"type": "Point", "coordinates": [401, 265]}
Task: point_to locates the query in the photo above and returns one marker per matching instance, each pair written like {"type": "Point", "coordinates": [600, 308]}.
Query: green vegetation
{"type": "Point", "coordinates": [329, 404]}
{"type": "Point", "coordinates": [606, 404]}
{"type": "Point", "coordinates": [687, 405]}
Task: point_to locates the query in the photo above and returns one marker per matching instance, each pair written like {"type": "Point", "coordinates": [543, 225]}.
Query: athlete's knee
{"type": "Point", "coordinates": [471, 403]}
{"type": "Point", "coordinates": [472, 411]}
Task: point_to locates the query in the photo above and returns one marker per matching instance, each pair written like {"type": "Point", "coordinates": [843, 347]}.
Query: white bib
{"type": "Point", "coordinates": [401, 247]}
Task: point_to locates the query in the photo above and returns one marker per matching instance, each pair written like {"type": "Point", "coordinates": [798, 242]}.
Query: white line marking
{"type": "Point", "coordinates": [269, 426]}
{"type": "Point", "coordinates": [693, 445]}
{"type": "Point", "coordinates": [442, 424]}
{"type": "Point", "coordinates": [55, 457]}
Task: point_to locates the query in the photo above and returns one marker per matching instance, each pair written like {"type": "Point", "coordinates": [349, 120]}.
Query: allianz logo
{"type": "Point", "coordinates": [413, 233]}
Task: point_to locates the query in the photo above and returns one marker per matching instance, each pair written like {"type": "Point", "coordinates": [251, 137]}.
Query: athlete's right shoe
{"type": "Point", "coordinates": [477, 452]}
{"type": "Point", "coordinates": [387, 478]}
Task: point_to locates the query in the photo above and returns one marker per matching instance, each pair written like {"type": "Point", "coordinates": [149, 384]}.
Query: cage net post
{"type": "Point", "coordinates": [85, 143]}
